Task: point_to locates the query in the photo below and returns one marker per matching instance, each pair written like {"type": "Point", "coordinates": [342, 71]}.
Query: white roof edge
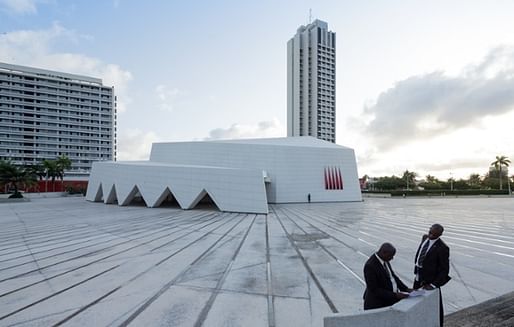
{"type": "Point", "coordinates": [307, 141]}
{"type": "Point", "coordinates": [171, 165]}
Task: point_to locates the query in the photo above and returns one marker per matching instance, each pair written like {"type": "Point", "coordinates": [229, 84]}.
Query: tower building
{"type": "Point", "coordinates": [45, 114]}
{"type": "Point", "coordinates": [311, 82]}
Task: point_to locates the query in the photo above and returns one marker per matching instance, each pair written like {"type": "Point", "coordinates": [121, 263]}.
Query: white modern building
{"type": "Point", "coordinates": [237, 175]}
{"type": "Point", "coordinates": [311, 82]}
{"type": "Point", "coordinates": [45, 114]}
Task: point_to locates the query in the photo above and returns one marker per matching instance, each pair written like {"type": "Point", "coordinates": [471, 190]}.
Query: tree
{"type": "Point", "coordinates": [431, 179]}
{"type": "Point", "coordinates": [461, 184]}
{"type": "Point", "coordinates": [389, 183]}
{"type": "Point", "coordinates": [410, 178]}
{"type": "Point", "coordinates": [16, 177]}
{"type": "Point", "coordinates": [474, 181]}
{"type": "Point", "coordinates": [62, 163]}
{"type": "Point", "coordinates": [51, 171]}
{"type": "Point", "coordinates": [498, 163]}
{"type": "Point", "coordinates": [431, 183]}
{"type": "Point", "coordinates": [37, 170]}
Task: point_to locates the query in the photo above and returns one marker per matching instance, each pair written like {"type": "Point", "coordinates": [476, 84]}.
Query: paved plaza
{"type": "Point", "coordinates": [72, 262]}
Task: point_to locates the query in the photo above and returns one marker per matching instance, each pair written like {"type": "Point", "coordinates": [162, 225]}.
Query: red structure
{"type": "Point", "coordinates": [333, 178]}
{"type": "Point", "coordinates": [58, 186]}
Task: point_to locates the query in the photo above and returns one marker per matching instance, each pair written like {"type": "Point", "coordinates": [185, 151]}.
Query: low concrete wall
{"type": "Point", "coordinates": [7, 200]}
{"type": "Point", "coordinates": [37, 195]}
{"type": "Point", "coordinates": [376, 195]}
{"type": "Point", "coordinates": [45, 195]}
{"type": "Point", "coordinates": [421, 311]}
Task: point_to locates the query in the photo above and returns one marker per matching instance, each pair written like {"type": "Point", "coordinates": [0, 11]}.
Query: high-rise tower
{"type": "Point", "coordinates": [311, 82]}
{"type": "Point", "coordinates": [45, 114]}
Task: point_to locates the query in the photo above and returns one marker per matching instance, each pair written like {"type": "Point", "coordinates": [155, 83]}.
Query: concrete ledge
{"type": "Point", "coordinates": [7, 200]}
{"type": "Point", "coordinates": [421, 311]}
{"type": "Point", "coordinates": [376, 195]}
{"type": "Point", "coordinates": [36, 195]}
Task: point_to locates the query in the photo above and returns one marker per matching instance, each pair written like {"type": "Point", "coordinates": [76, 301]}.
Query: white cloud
{"type": "Point", "coordinates": [439, 124]}
{"type": "Point", "coordinates": [430, 105]}
{"type": "Point", "coordinates": [458, 153]}
{"type": "Point", "coordinates": [19, 6]}
{"type": "Point", "coordinates": [35, 48]}
{"type": "Point", "coordinates": [271, 128]}
{"type": "Point", "coordinates": [167, 96]}
{"type": "Point", "coordinates": [135, 144]}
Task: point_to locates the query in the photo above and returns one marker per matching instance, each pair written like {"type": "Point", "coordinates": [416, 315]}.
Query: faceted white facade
{"type": "Point", "coordinates": [238, 175]}
{"type": "Point", "coordinates": [311, 82]}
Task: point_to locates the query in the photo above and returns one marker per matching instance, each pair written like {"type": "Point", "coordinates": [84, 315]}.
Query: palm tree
{"type": "Point", "coordinates": [15, 177]}
{"type": "Point", "coordinates": [51, 171]}
{"type": "Point", "coordinates": [431, 179]}
{"type": "Point", "coordinates": [498, 163]}
{"type": "Point", "coordinates": [474, 180]}
{"type": "Point", "coordinates": [409, 177]}
{"type": "Point", "coordinates": [37, 170]}
{"type": "Point", "coordinates": [62, 163]}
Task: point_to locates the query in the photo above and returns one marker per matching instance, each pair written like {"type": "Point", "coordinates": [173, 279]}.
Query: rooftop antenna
{"type": "Point", "coordinates": [310, 15]}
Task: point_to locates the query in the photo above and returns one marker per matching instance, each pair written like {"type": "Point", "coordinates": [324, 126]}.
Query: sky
{"type": "Point", "coordinates": [424, 86]}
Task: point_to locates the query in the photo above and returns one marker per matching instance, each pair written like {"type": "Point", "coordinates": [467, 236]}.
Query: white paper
{"type": "Point", "coordinates": [417, 293]}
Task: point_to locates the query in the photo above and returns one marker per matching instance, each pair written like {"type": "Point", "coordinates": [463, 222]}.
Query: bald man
{"type": "Point", "coordinates": [382, 285]}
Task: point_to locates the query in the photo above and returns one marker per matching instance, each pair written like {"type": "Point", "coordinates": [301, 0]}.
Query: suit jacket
{"type": "Point", "coordinates": [436, 265]}
{"type": "Point", "coordinates": [379, 289]}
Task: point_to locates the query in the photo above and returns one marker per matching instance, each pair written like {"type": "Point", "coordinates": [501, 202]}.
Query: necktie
{"type": "Point", "coordinates": [423, 253]}
{"type": "Point", "coordinates": [387, 271]}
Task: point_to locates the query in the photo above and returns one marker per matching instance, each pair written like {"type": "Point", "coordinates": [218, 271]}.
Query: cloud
{"type": "Point", "coordinates": [135, 144]}
{"type": "Point", "coordinates": [167, 96]}
{"type": "Point", "coordinates": [430, 105]}
{"type": "Point", "coordinates": [19, 6]}
{"type": "Point", "coordinates": [271, 128]}
{"type": "Point", "coordinates": [35, 48]}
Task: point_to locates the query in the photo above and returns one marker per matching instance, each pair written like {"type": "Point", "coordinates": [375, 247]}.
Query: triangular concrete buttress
{"type": "Point", "coordinates": [131, 195]}
{"type": "Point", "coordinates": [164, 195]}
{"type": "Point", "coordinates": [204, 194]}
{"type": "Point", "coordinates": [99, 194]}
{"type": "Point", "coordinates": [111, 196]}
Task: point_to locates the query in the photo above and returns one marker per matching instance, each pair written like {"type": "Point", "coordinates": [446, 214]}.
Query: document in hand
{"type": "Point", "coordinates": [417, 293]}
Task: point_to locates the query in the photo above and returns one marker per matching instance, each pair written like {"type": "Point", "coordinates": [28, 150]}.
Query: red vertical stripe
{"type": "Point", "coordinates": [333, 178]}
{"type": "Point", "coordinates": [341, 180]}
{"type": "Point", "coordinates": [326, 179]}
{"type": "Point", "coordinates": [338, 186]}
{"type": "Point", "coordinates": [336, 180]}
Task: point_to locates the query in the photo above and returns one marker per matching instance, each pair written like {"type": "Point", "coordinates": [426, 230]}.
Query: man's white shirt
{"type": "Point", "coordinates": [395, 286]}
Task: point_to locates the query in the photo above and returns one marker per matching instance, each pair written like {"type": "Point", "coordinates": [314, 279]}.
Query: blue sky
{"type": "Point", "coordinates": [421, 85]}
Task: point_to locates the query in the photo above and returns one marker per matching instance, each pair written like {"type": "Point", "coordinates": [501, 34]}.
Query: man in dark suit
{"type": "Point", "coordinates": [432, 264]}
{"type": "Point", "coordinates": [382, 285]}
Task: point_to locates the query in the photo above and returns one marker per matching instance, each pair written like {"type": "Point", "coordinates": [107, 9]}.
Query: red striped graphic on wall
{"type": "Point", "coordinates": [333, 178]}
